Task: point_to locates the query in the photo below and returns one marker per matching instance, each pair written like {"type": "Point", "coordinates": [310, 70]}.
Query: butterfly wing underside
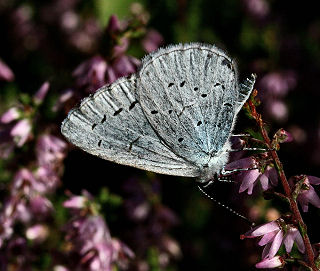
{"type": "Point", "coordinates": [112, 125]}
{"type": "Point", "coordinates": [191, 93]}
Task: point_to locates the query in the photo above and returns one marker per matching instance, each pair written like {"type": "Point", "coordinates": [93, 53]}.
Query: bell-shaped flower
{"type": "Point", "coordinates": [274, 234]}
{"type": "Point", "coordinates": [274, 262]}
{"type": "Point", "coordinates": [250, 177]}
{"type": "Point", "coordinates": [309, 195]}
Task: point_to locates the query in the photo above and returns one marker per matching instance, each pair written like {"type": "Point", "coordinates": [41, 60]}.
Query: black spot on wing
{"type": "Point", "coordinates": [132, 105]}
{"type": "Point", "coordinates": [227, 63]}
{"type": "Point", "coordinates": [117, 112]}
{"type": "Point", "coordinates": [104, 119]}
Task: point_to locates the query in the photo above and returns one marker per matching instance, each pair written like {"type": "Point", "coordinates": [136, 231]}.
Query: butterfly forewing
{"type": "Point", "coordinates": [111, 125]}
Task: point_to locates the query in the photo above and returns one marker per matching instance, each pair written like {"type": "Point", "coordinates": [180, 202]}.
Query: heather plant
{"type": "Point", "coordinates": [63, 210]}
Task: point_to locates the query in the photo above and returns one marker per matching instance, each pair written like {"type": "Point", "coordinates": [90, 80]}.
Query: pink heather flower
{"type": "Point", "coordinates": [10, 115]}
{"type": "Point", "coordinates": [257, 8]}
{"type": "Point", "coordinates": [75, 202]}
{"type": "Point", "coordinates": [6, 73]}
{"type": "Point", "coordinates": [69, 21]}
{"type": "Point", "coordinates": [274, 262]}
{"type": "Point", "coordinates": [309, 195]}
{"type": "Point", "coordinates": [91, 74]}
{"type": "Point", "coordinates": [278, 109]}
{"type": "Point", "coordinates": [121, 66]}
{"type": "Point", "coordinates": [278, 83]}
{"type": "Point", "coordinates": [21, 131]}
{"type": "Point", "coordinates": [282, 136]}
{"type": "Point", "coordinates": [293, 235]}
{"type": "Point", "coordinates": [91, 239]}
{"type": "Point", "coordinates": [40, 206]}
{"type": "Point", "coordinates": [48, 178]}
{"type": "Point", "coordinates": [114, 25]}
{"type": "Point", "coordinates": [30, 183]}
{"type": "Point", "coordinates": [152, 41]}
{"type": "Point", "coordinates": [273, 235]}
{"type": "Point", "coordinates": [41, 93]}
{"type": "Point", "coordinates": [249, 178]}
{"type": "Point", "coordinates": [121, 47]}
{"type": "Point", "coordinates": [22, 181]}
{"type": "Point", "coordinates": [50, 150]}
{"type": "Point", "coordinates": [38, 232]}
{"type": "Point", "coordinates": [65, 96]}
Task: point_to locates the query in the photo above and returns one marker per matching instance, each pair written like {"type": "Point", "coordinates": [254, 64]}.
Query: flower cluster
{"type": "Point", "coordinates": [88, 238]}
{"type": "Point", "coordinates": [274, 234]}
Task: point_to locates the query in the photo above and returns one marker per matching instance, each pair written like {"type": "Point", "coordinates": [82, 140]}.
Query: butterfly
{"type": "Point", "coordinates": [174, 116]}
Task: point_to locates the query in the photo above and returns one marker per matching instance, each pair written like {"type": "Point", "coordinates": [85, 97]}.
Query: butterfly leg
{"type": "Point", "coordinates": [250, 149]}
{"type": "Point", "coordinates": [241, 135]}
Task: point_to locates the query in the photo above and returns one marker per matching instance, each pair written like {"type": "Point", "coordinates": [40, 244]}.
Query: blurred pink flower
{"type": "Point", "coordinates": [257, 8]}
{"type": "Point", "coordinates": [21, 131]}
{"type": "Point", "coordinates": [75, 202]}
{"type": "Point", "coordinates": [278, 109]}
{"type": "Point", "coordinates": [114, 25]}
{"type": "Point", "coordinates": [48, 178]}
{"type": "Point", "coordinates": [41, 93]}
{"type": "Point", "coordinates": [22, 181]}
{"type": "Point", "coordinates": [50, 150]}
{"type": "Point", "coordinates": [278, 83]}
{"type": "Point", "coordinates": [90, 74]}
{"type": "Point", "coordinates": [273, 235]}
{"type": "Point", "coordinates": [10, 115]}
{"type": "Point", "coordinates": [65, 96]}
{"type": "Point", "coordinates": [152, 41]}
{"type": "Point", "coordinates": [249, 178]}
{"type": "Point", "coordinates": [40, 206]}
{"type": "Point", "coordinates": [308, 194]}
{"type": "Point", "coordinates": [121, 66]}
{"type": "Point", "coordinates": [37, 232]}
{"type": "Point", "coordinates": [274, 262]}
{"type": "Point", "coordinates": [91, 239]}
{"type": "Point", "coordinates": [5, 72]}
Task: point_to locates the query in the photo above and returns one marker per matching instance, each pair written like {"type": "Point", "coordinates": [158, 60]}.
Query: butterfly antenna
{"type": "Point", "coordinates": [226, 207]}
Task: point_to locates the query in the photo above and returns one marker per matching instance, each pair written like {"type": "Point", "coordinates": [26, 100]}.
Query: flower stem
{"type": "Point", "coordinates": [293, 204]}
